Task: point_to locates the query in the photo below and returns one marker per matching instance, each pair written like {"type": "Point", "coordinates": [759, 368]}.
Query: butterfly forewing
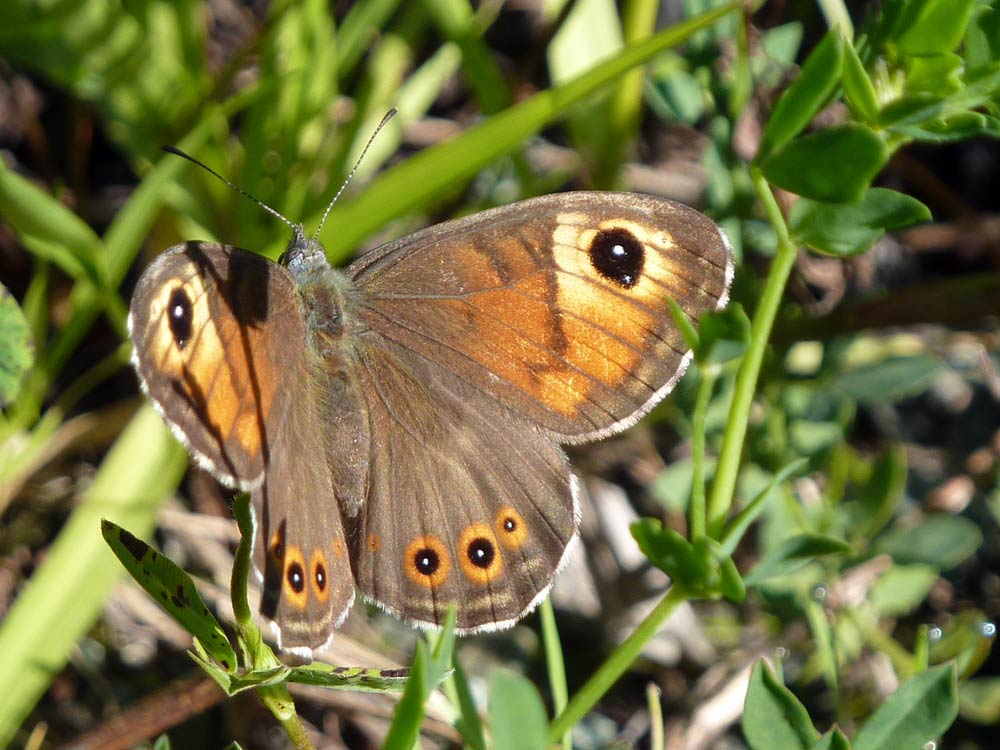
{"type": "Point", "coordinates": [215, 332]}
{"type": "Point", "coordinates": [221, 349]}
{"type": "Point", "coordinates": [556, 306]}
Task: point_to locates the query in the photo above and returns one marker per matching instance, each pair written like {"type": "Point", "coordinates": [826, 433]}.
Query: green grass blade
{"type": "Point", "coordinates": [458, 24]}
{"type": "Point", "coordinates": [428, 669]}
{"type": "Point", "coordinates": [555, 663]}
{"type": "Point", "coordinates": [361, 25]}
{"type": "Point", "coordinates": [65, 595]}
{"type": "Point", "coordinates": [439, 169]}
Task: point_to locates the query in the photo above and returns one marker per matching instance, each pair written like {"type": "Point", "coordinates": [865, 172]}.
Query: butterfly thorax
{"type": "Point", "coordinates": [326, 295]}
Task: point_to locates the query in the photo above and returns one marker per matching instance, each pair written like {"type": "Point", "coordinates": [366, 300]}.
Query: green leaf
{"type": "Point", "coordinates": [780, 45]}
{"type": "Point", "coordinates": [858, 88]}
{"type": "Point", "coordinates": [676, 94]}
{"type": "Point", "coordinates": [982, 38]}
{"type": "Point", "coordinates": [737, 528]}
{"type": "Point", "coordinates": [773, 718]}
{"type": "Point", "coordinates": [810, 437]}
{"type": "Point", "coordinates": [233, 683]}
{"type": "Point", "coordinates": [942, 541]}
{"type": "Point", "coordinates": [723, 336]}
{"type": "Point", "coordinates": [688, 331]}
{"type": "Point", "coordinates": [834, 164]}
{"type": "Point", "coordinates": [823, 636]}
{"type": "Point", "coordinates": [426, 672]}
{"type": "Point", "coordinates": [937, 74]}
{"type": "Point", "coordinates": [796, 108]}
{"type": "Point", "coordinates": [852, 228]}
{"type": "Point", "coordinates": [668, 550]}
{"type": "Point", "coordinates": [878, 497]}
{"type": "Point", "coordinates": [793, 554]}
{"type": "Point", "coordinates": [172, 589]}
{"type": "Point", "coordinates": [917, 713]}
{"type": "Point", "coordinates": [517, 715]}
{"type": "Point", "coordinates": [956, 127]}
{"type": "Point", "coordinates": [832, 740]}
{"type": "Point", "coordinates": [16, 350]}
{"type": "Point", "coordinates": [890, 379]}
{"type": "Point", "coordinates": [913, 109]}
{"type": "Point", "coordinates": [731, 583]}
{"type": "Point", "coordinates": [901, 589]}
{"type": "Point", "coordinates": [359, 679]}
{"type": "Point", "coordinates": [931, 27]}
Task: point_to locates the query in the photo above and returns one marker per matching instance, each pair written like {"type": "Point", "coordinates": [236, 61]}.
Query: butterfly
{"type": "Point", "coordinates": [399, 423]}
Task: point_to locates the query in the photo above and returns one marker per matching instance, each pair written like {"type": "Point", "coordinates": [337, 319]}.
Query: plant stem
{"type": "Point", "coordinates": [655, 716]}
{"type": "Point", "coordinates": [697, 518]}
{"type": "Point", "coordinates": [279, 702]}
{"type": "Point", "coordinates": [555, 664]}
{"type": "Point", "coordinates": [256, 653]}
{"type": "Point", "coordinates": [249, 633]}
{"type": "Point", "coordinates": [616, 664]}
{"type": "Point", "coordinates": [724, 486]}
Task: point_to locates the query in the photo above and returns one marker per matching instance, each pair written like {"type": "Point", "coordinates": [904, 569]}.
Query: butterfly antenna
{"type": "Point", "coordinates": [385, 120]}
{"type": "Point", "coordinates": [241, 191]}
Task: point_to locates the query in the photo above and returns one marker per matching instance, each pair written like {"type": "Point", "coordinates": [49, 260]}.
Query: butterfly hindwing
{"type": "Point", "coordinates": [467, 504]}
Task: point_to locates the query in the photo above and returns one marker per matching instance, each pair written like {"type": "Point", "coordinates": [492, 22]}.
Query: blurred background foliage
{"type": "Point", "coordinates": [880, 556]}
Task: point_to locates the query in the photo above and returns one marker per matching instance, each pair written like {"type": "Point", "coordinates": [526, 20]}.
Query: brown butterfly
{"type": "Point", "coordinates": [399, 423]}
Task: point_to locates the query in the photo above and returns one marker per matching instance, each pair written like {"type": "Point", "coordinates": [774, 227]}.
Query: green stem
{"type": "Point", "coordinates": [249, 633]}
{"type": "Point", "coordinates": [257, 655]}
{"type": "Point", "coordinates": [697, 518]}
{"type": "Point", "coordinates": [655, 716]}
{"type": "Point", "coordinates": [724, 486]}
{"type": "Point", "coordinates": [279, 702]}
{"type": "Point", "coordinates": [555, 664]}
{"type": "Point", "coordinates": [616, 664]}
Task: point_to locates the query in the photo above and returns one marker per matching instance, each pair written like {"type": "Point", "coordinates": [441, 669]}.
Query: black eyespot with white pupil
{"type": "Point", "coordinates": [509, 524]}
{"type": "Point", "coordinates": [320, 575]}
{"type": "Point", "coordinates": [481, 552]}
{"type": "Point", "coordinates": [426, 561]}
{"type": "Point", "coordinates": [179, 317]}
{"type": "Point", "coordinates": [296, 577]}
{"type": "Point", "coordinates": [617, 255]}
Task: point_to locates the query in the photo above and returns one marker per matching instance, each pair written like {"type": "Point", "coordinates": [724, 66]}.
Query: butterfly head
{"type": "Point", "coordinates": [303, 256]}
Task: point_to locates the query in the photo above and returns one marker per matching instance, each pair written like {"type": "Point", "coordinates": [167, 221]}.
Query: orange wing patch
{"type": "Point", "coordinates": [211, 364]}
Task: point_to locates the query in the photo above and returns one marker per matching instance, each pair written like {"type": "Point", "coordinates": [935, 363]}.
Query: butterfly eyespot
{"type": "Point", "coordinates": [481, 558]}
{"type": "Point", "coordinates": [426, 561]}
{"type": "Point", "coordinates": [277, 546]}
{"type": "Point", "coordinates": [295, 577]}
{"type": "Point", "coordinates": [321, 583]}
{"type": "Point", "coordinates": [374, 542]}
{"type": "Point", "coordinates": [511, 528]}
{"type": "Point", "coordinates": [338, 548]}
{"type": "Point", "coordinates": [179, 316]}
{"type": "Point", "coordinates": [481, 552]}
{"type": "Point", "coordinates": [618, 255]}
